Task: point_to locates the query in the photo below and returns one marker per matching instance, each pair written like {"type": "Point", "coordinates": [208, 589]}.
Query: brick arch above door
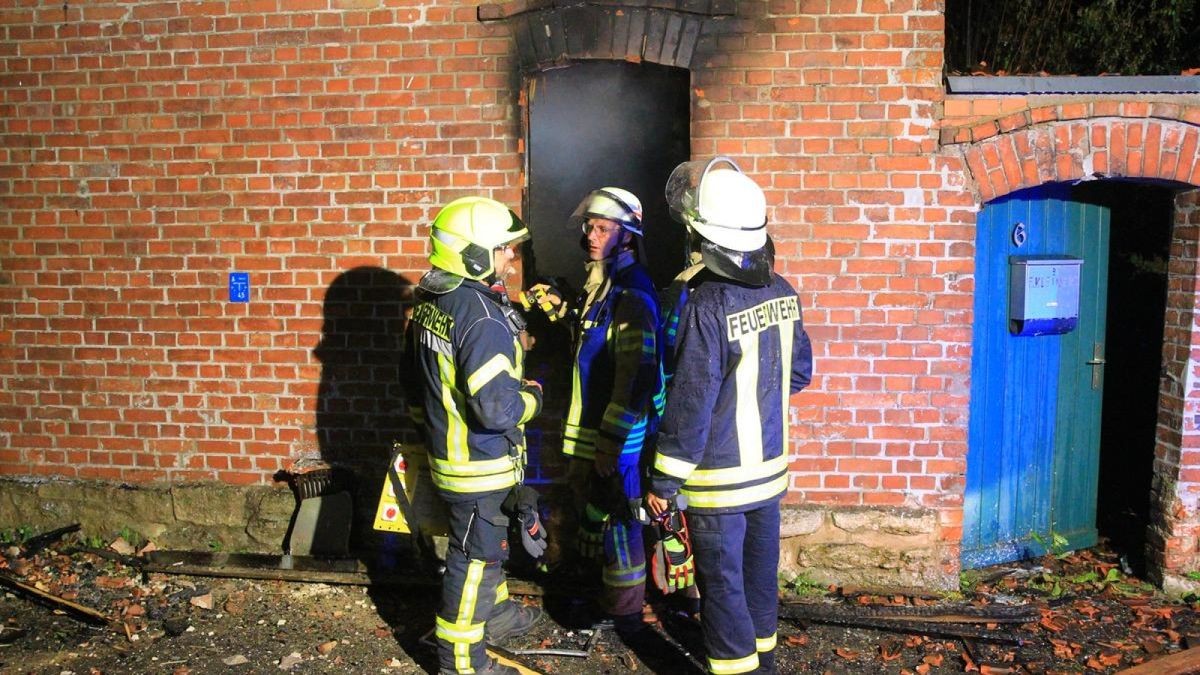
{"type": "Point", "coordinates": [1076, 141]}
{"type": "Point", "coordinates": [549, 33]}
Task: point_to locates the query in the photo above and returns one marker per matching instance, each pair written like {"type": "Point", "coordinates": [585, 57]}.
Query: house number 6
{"type": "Point", "coordinates": [1019, 234]}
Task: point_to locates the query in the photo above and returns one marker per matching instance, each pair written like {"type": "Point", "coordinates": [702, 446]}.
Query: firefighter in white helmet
{"type": "Point", "coordinates": [616, 386]}
{"type": "Point", "coordinates": [739, 350]}
{"type": "Point", "coordinates": [467, 387]}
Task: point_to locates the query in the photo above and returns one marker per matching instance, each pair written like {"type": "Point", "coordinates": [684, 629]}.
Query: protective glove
{"type": "Point", "coordinates": [533, 535]}
{"type": "Point", "coordinates": [590, 538]}
{"type": "Point", "coordinates": [672, 566]}
{"type": "Point", "coordinates": [547, 298]}
{"type": "Point", "coordinates": [522, 505]}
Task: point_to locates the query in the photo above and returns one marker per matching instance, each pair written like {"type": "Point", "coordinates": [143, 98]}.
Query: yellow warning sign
{"type": "Point", "coordinates": [392, 512]}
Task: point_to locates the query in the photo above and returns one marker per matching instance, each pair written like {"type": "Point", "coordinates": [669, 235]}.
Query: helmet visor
{"type": "Point", "coordinates": [732, 216]}
{"type": "Point", "coordinates": [607, 205]}
{"type": "Point", "coordinates": [683, 187]}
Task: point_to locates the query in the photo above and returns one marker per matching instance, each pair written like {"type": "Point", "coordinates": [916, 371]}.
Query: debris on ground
{"type": "Point", "coordinates": [1065, 613]}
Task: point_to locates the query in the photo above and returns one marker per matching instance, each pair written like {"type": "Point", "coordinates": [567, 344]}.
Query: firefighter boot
{"type": "Point", "coordinates": [512, 619]}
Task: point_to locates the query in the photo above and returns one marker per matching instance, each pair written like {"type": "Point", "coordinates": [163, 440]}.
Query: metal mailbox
{"type": "Point", "coordinates": [1043, 294]}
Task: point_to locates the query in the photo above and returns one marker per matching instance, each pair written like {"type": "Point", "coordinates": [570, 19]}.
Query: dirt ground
{"type": "Point", "coordinates": [1084, 615]}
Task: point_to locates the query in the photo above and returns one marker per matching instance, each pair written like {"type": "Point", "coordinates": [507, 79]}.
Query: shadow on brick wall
{"type": "Point", "coordinates": [361, 413]}
{"type": "Point", "coordinates": [360, 407]}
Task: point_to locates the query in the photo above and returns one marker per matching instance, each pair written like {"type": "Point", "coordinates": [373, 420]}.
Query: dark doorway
{"type": "Point", "coordinates": [596, 124]}
{"type": "Point", "coordinates": [590, 125]}
{"type": "Point", "coordinates": [1142, 217]}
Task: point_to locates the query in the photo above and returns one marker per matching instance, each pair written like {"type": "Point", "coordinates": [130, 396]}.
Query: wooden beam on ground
{"type": "Point", "coordinates": [913, 625]}
{"type": "Point", "coordinates": [36, 543]}
{"type": "Point", "coordinates": [308, 569]}
{"type": "Point", "coordinates": [945, 613]}
{"type": "Point", "coordinates": [78, 611]}
{"type": "Point", "coordinates": [1179, 663]}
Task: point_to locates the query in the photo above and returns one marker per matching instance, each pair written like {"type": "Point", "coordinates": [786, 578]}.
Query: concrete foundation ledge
{"type": "Point", "coordinates": [884, 548]}
{"type": "Point", "coordinates": [202, 516]}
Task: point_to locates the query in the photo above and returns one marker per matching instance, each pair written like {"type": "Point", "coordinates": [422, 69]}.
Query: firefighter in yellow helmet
{"type": "Point", "coordinates": [615, 387]}
{"type": "Point", "coordinates": [739, 350]}
{"type": "Point", "coordinates": [467, 385]}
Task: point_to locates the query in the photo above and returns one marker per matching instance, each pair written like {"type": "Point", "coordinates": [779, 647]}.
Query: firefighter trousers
{"type": "Point", "coordinates": [737, 561]}
{"type": "Point", "coordinates": [624, 564]}
{"type": "Point", "coordinates": [473, 587]}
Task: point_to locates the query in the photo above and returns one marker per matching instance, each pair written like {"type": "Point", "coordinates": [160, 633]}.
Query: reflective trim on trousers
{"type": "Point", "coordinates": [621, 578]}
{"type": "Point", "coordinates": [737, 558]}
{"type": "Point", "coordinates": [459, 632]}
{"type": "Point", "coordinates": [742, 665]}
{"type": "Point", "coordinates": [624, 573]}
{"type": "Point", "coordinates": [474, 555]}
{"type": "Point", "coordinates": [766, 644]}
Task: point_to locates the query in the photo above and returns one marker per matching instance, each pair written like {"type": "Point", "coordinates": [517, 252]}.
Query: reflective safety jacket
{"type": "Point", "coordinates": [740, 353]}
{"type": "Point", "coordinates": [467, 367]}
{"type": "Point", "coordinates": [616, 381]}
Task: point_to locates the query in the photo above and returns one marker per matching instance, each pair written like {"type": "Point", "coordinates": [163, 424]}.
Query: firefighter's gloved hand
{"type": "Point", "coordinates": [533, 535]}
{"type": "Point", "coordinates": [522, 504]}
{"type": "Point", "coordinates": [609, 495]}
{"type": "Point", "coordinates": [605, 463]}
{"type": "Point", "coordinates": [672, 566]}
{"type": "Point", "coordinates": [590, 538]}
{"type": "Point", "coordinates": [547, 298]}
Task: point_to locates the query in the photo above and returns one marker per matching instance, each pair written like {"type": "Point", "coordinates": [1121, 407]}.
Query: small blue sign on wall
{"type": "Point", "coordinates": [239, 287]}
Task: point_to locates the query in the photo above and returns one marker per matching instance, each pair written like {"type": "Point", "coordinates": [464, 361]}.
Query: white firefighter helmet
{"type": "Point", "coordinates": [720, 203]}
{"type": "Point", "coordinates": [610, 203]}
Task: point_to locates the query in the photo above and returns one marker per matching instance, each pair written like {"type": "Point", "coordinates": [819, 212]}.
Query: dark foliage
{"type": "Point", "coordinates": [1073, 37]}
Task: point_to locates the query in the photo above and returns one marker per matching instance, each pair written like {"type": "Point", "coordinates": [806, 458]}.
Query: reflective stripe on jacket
{"type": "Point", "coordinates": [616, 379]}
{"type": "Point", "coordinates": [740, 353]}
{"type": "Point", "coordinates": [468, 367]}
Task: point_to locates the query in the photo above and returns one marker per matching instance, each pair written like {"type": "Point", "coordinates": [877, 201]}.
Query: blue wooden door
{"type": "Point", "coordinates": [1033, 443]}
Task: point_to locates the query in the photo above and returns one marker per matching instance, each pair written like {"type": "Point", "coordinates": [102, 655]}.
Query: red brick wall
{"type": "Point", "coordinates": [1175, 528]}
{"type": "Point", "coordinates": [148, 148]}
{"type": "Point", "coordinates": [833, 105]}
{"type": "Point", "coordinates": [151, 148]}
